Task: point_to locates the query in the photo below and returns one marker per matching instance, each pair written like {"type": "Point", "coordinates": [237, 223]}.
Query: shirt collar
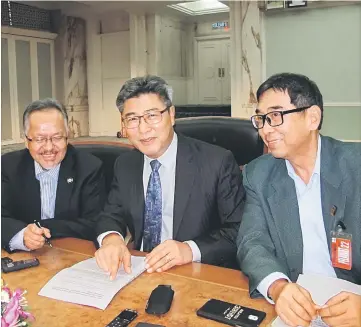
{"type": "Point", "coordinates": [39, 171]}
{"type": "Point", "coordinates": [169, 157]}
{"type": "Point", "coordinates": [316, 169]}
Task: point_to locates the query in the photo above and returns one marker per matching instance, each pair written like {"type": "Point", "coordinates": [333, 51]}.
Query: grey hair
{"type": "Point", "coordinates": [43, 105]}
{"type": "Point", "coordinates": [136, 86]}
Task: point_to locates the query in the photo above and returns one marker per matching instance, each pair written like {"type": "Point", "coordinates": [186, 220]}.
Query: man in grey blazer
{"type": "Point", "coordinates": [308, 186]}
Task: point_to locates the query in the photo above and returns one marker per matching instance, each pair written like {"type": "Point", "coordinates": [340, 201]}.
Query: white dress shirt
{"type": "Point", "coordinates": [316, 255]}
{"type": "Point", "coordinates": [48, 179]}
{"type": "Point", "coordinates": [167, 172]}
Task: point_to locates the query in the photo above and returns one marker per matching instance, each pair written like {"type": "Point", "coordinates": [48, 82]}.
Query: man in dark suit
{"type": "Point", "coordinates": [307, 187]}
{"type": "Point", "coordinates": [49, 182]}
{"type": "Point", "coordinates": [180, 198]}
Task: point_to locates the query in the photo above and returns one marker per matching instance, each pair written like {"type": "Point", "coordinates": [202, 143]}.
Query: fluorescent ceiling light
{"type": "Point", "coordinates": [200, 7]}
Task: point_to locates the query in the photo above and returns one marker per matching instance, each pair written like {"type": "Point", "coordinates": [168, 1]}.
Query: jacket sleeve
{"type": "Point", "coordinates": [91, 201]}
{"type": "Point", "coordinates": [9, 226]}
{"type": "Point", "coordinates": [110, 219]}
{"type": "Point", "coordinates": [219, 246]}
{"type": "Point", "coordinates": [256, 251]}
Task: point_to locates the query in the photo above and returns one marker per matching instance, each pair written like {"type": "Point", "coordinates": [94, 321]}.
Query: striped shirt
{"type": "Point", "coordinates": [48, 180]}
{"type": "Point", "coordinates": [48, 184]}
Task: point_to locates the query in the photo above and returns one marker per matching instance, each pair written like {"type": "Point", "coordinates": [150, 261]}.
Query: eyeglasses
{"type": "Point", "coordinates": [41, 141]}
{"type": "Point", "coordinates": [151, 118]}
{"type": "Point", "coordinates": [273, 118]}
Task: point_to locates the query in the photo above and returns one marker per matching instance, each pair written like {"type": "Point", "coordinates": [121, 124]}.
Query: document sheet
{"type": "Point", "coordinates": [85, 283]}
{"type": "Point", "coordinates": [322, 289]}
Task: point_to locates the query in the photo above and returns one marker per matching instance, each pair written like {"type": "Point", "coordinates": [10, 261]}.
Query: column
{"type": "Point", "coordinates": [75, 76]}
{"type": "Point", "coordinates": [138, 45]}
{"type": "Point", "coordinates": [246, 60]}
{"type": "Point", "coordinates": [95, 87]}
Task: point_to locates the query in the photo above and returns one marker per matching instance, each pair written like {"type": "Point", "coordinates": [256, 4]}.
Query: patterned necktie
{"type": "Point", "coordinates": [153, 210]}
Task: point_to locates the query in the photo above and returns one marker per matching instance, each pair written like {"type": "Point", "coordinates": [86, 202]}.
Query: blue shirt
{"type": "Point", "coordinates": [316, 256]}
{"type": "Point", "coordinates": [48, 179]}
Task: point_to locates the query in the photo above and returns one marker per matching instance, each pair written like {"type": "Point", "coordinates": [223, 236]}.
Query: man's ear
{"type": "Point", "coordinates": [172, 114]}
{"type": "Point", "coordinates": [26, 142]}
{"type": "Point", "coordinates": [123, 130]}
{"type": "Point", "coordinates": [314, 114]}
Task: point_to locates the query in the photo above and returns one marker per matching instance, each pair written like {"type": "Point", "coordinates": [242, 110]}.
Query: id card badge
{"type": "Point", "coordinates": [341, 249]}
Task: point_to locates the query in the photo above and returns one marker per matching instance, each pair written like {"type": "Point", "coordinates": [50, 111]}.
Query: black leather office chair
{"type": "Point", "coordinates": [107, 153]}
{"type": "Point", "coordinates": [234, 134]}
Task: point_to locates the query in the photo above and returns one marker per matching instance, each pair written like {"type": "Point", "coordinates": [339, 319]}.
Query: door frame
{"type": "Point", "coordinates": [195, 56]}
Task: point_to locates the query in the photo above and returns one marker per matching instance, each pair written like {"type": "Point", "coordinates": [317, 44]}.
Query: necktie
{"type": "Point", "coordinates": [153, 210]}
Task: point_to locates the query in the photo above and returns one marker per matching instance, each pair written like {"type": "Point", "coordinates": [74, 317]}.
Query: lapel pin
{"type": "Point", "coordinates": [70, 180]}
{"type": "Point", "coordinates": [333, 210]}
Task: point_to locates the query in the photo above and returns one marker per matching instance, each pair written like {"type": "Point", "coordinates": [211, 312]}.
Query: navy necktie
{"type": "Point", "coordinates": [153, 210]}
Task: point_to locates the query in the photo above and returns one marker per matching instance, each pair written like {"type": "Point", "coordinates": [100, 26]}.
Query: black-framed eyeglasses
{"type": "Point", "coordinates": [273, 118]}
{"type": "Point", "coordinates": [41, 141]}
{"type": "Point", "coordinates": [151, 117]}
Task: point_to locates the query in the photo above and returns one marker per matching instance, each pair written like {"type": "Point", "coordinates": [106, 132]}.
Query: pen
{"type": "Point", "coordinates": [47, 240]}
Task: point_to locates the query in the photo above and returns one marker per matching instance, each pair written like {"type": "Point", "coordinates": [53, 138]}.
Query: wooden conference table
{"type": "Point", "coordinates": [193, 284]}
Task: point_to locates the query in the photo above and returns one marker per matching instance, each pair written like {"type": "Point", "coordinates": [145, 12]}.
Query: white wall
{"type": "Point", "coordinates": [115, 64]}
{"type": "Point", "coordinates": [171, 58]}
{"type": "Point", "coordinates": [114, 22]}
{"type": "Point", "coordinates": [152, 38]}
{"type": "Point", "coordinates": [172, 52]}
{"type": "Point", "coordinates": [325, 45]}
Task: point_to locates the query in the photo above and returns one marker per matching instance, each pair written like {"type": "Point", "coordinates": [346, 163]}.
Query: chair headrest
{"type": "Point", "coordinates": [107, 153]}
{"type": "Point", "coordinates": [237, 135]}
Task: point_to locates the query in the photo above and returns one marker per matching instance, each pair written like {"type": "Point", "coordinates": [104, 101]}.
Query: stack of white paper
{"type": "Point", "coordinates": [322, 289]}
{"type": "Point", "coordinates": [85, 283]}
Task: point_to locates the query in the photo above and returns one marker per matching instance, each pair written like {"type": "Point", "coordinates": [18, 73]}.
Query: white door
{"type": "Point", "coordinates": [214, 72]}
{"type": "Point", "coordinates": [209, 73]}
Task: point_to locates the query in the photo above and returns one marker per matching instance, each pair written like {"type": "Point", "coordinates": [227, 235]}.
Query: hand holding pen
{"type": "Point", "coordinates": [47, 240]}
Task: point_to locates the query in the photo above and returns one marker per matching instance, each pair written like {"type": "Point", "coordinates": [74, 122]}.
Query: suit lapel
{"type": "Point", "coordinates": [135, 176]}
{"type": "Point", "coordinates": [30, 186]}
{"type": "Point", "coordinates": [66, 181]}
{"type": "Point", "coordinates": [184, 179]}
{"type": "Point", "coordinates": [285, 212]}
{"type": "Point", "coordinates": [330, 194]}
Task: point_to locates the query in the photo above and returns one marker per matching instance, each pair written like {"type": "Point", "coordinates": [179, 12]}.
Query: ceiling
{"type": "Point", "coordinates": [133, 6]}
{"type": "Point", "coordinates": [102, 7]}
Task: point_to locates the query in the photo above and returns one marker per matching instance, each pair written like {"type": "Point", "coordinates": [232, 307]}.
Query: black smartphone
{"type": "Point", "coordinates": [231, 314]}
{"type": "Point", "coordinates": [8, 265]}
{"type": "Point", "coordinates": [160, 300]}
{"type": "Point", "coordinates": [124, 318]}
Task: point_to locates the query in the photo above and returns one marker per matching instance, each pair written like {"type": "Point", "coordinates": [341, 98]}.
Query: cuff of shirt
{"type": "Point", "coordinates": [265, 284]}
{"type": "Point", "coordinates": [197, 256]}
{"type": "Point", "coordinates": [101, 236]}
{"type": "Point", "coordinates": [17, 242]}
